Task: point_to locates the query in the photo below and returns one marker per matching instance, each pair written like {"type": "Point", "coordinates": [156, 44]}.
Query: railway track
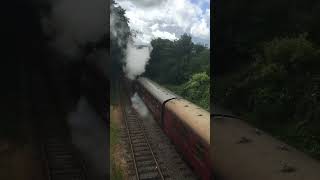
{"type": "Point", "coordinates": [62, 163]}
{"type": "Point", "coordinates": [149, 153]}
{"type": "Point", "coordinates": [143, 158]}
{"type": "Point", "coordinates": [60, 158]}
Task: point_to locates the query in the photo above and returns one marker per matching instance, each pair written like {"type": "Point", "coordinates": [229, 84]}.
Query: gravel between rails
{"type": "Point", "coordinates": [170, 161]}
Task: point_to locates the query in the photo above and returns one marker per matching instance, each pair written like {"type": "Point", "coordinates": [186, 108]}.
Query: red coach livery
{"type": "Point", "coordinates": [186, 124]}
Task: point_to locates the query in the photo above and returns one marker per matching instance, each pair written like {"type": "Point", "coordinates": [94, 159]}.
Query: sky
{"type": "Point", "coordinates": [168, 19]}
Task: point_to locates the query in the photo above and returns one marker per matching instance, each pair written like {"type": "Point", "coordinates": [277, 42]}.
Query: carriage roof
{"type": "Point", "coordinates": [156, 90]}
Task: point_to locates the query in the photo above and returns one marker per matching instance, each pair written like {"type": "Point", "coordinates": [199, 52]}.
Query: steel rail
{"type": "Point", "coordinates": [145, 138]}
{"type": "Point", "coordinates": [148, 143]}
{"type": "Point", "coordinates": [128, 132]}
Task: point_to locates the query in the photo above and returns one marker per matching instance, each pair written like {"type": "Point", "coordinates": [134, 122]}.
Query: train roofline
{"type": "Point", "coordinates": [241, 151]}
{"type": "Point", "coordinates": [200, 127]}
{"type": "Point", "coordinates": [159, 92]}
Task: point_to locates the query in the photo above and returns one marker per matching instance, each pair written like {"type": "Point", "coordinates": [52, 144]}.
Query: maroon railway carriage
{"type": "Point", "coordinates": [187, 125]}
{"type": "Point", "coordinates": [154, 96]}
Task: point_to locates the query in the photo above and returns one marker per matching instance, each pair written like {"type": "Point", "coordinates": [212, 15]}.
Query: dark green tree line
{"type": "Point", "coordinates": [175, 62]}
{"type": "Point", "coordinates": [182, 66]}
{"type": "Point", "coordinates": [266, 61]}
{"type": "Point", "coordinates": [243, 25]}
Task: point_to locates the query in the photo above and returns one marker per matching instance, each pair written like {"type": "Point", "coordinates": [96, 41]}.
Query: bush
{"type": "Point", "coordinates": [197, 89]}
{"type": "Point", "coordinates": [295, 55]}
{"type": "Point", "coordinates": [286, 70]}
{"type": "Point", "coordinates": [279, 92]}
{"type": "Point", "coordinates": [281, 74]}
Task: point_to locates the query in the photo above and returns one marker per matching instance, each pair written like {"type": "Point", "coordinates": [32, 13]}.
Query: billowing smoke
{"type": "Point", "coordinates": [75, 29]}
{"type": "Point", "coordinates": [136, 60]}
{"type": "Point", "coordinates": [89, 136]}
{"type": "Point", "coordinates": [73, 23]}
{"type": "Point", "coordinates": [136, 56]}
{"type": "Point", "coordinates": [139, 105]}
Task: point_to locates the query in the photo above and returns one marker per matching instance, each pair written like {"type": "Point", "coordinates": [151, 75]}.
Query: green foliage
{"type": "Point", "coordinates": [183, 66]}
{"type": "Point", "coordinates": [295, 54]}
{"type": "Point", "coordinates": [285, 71]}
{"type": "Point", "coordinates": [281, 74]}
{"type": "Point", "coordinates": [179, 60]}
{"type": "Point", "coordinates": [243, 25]}
{"type": "Point", "coordinates": [115, 169]}
{"type": "Point", "coordinates": [197, 89]}
{"type": "Point", "coordinates": [280, 87]}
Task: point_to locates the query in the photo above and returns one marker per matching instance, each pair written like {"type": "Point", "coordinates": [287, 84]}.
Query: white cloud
{"type": "Point", "coordinates": [200, 30]}
{"type": "Point", "coordinates": [164, 35]}
{"type": "Point", "coordinates": [168, 19]}
{"type": "Point", "coordinates": [154, 27]}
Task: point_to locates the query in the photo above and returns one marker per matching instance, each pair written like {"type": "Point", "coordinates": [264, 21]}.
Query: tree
{"type": "Point", "coordinates": [243, 25]}
{"type": "Point", "coordinates": [178, 59]}
{"type": "Point", "coordinates": [184, 48]}
{"type": "Point", "coordinates": [197, 89]}
{"type": "Point", "coordinates": [119, 37]}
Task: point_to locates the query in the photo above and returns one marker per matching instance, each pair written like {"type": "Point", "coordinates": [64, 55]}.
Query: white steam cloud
{"type": "Point", "coordinates": [136, 56]}
{"type": "Point", "coordinates": [136, 60]}
{"type": "Point", "coordinates": [139, 105]}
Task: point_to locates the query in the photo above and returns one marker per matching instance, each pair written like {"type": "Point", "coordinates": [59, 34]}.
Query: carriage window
{"type": "Point", "coordinates": [184, 131]}
{"type": "Point", "coordinates": [155, 104]}
{"type": "Point", "coordinates": [199, 151]}
{"type": "Point", "coordinates": [152, 104]}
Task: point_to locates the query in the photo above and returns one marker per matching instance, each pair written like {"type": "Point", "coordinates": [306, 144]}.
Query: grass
{"type": "Point", "coordinates": [114, 133]}
{"type": "Point", "coordinates": [116, 171]}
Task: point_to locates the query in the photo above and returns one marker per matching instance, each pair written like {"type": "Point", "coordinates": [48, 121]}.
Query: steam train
{"type": "Point", "coordinates": [186, 125]}
{"type": "Point", "coordinates": [237, 150]}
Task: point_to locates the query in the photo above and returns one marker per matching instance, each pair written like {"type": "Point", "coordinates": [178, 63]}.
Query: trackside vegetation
{"type": "Point", "coordinates": [266, 67]}
{"type": "Point", "coordinates": [279, 91]}
{"type": "Point", "coordinates": [183, 67]}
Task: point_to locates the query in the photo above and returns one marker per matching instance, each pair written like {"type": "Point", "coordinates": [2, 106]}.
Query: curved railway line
{"type": "Point", "coordinates": [148, 151]}
{"type": "Point", "coordinates": [144, 160]}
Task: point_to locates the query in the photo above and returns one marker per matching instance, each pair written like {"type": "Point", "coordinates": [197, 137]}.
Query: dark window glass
{"type": "Point", "coordinates": [183, 130]}
{"type": "Point", "coordinates": [199, 151]}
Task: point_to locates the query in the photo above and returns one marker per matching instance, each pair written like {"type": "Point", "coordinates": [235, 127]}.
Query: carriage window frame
{"type": "Point", "coordinates": [182, 129]}
{"type": "Point", "coordinates": [199, 151]}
